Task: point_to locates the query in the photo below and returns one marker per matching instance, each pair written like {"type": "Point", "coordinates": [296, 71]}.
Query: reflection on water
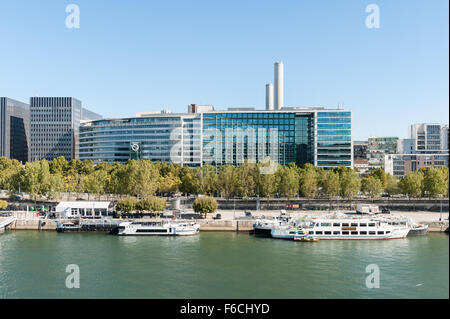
{"type": "Point", "coordinates": [219, 265]}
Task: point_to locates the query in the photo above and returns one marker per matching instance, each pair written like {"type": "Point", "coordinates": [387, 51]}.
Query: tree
{"type": "Point", "coordinates": [350, 183]}
{"type": "Point", "coordinates": [380, 175]}
{"type": "Point", "coordinates": [188, 184]}
{"type": "Point", "coordinates": [246, 179]}
{"type": "Point", "coordinates": [205, 205]}
{"type": "Point", "coordinates": [96, 182]}
{"type": "Point", "coordinates": [56, 187]}
{"type": "Point", "coordinates": [226, 181]}
{"type": "Point", "coordinates": [411, 184]}
{"type": "Point", "coordinates": [205, 179]}
{"type": "Point", "coordinates": [330, 184]}
{"type": "Point", "coordinates": [152, 204]}
{"type": "Point", "coordinates": [127, 205]}
{"type": "Point", "coordinates": [168, 183]}
{"type": "Point", "coordinates": [308, 181]}
{"type": "Point", "coordinates": [267, 183]}
{"type": "Point", "coordinates": [141, 178]}
{"type": "Point", "coordinates": [372, 186]}
{"type": "Point", "coordinates": [392, 186]}
{"type": "Point", "coordinates": [434, 182]}
{"type": "Point", "coordinates": [3, 204]}
{"type": "Point", "coordinates": [288, 181]}
{"type": "Point", "coordinates": [59, 166]}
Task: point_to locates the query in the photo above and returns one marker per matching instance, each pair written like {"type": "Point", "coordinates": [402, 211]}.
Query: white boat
{"type": "Point", "coordinates": [287, 232]}
{"type": "Point", "coordinates": [415, 228]}
{"type": "Point", "coordinates": [158, 228]}
{"type": "Point", "coordinates": [344, 227]}
{"type": "Point", "coordinates": [264, 226]}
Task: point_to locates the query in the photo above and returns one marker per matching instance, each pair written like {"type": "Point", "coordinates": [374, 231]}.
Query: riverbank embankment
{"type": "Point", "coordinates": [234, 220]}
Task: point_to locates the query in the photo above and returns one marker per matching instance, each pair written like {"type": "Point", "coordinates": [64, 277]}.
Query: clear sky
{"type": "Point", "coordinates": [133, 56]}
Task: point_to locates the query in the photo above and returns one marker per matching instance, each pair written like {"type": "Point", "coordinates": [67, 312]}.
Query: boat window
{"type": "Point", "coordinates": [388, 232]}
{"type": "Point", "coordinates": [325, 224]}
{"type": "Point", "coordinates": [363, 225]}
{"type": "Point", "coordinates": [344, 224]}
{"type": "Point", "coordinates": [363, 233]}
{"type": "Point", "coordinates": [381, 233]}
{"type": "Point", "coordinates": [336, 233]}
{"type": "Point", "coordinates": [336, 224]}
{"type": "Point", "coordinates": [354, 233]}
{"type": "Point", "coordinates": [371, 225]}
{"type": "Point", "coordinates": [354, 224]}
{"type": "Point", "coordinates": [345, 233]}
{"type": "Point", "coordinates": [151, 230]}
{"type": "Point", "coordinates": [311, 232]}
{"type": "Point", "coordinates": [371, 233]}
{"type": "Point", "coordinates": [327, 233]}
{"type": "Point", "coordinates": [318, 233]}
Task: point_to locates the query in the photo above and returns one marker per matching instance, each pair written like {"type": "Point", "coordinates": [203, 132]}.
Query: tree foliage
{"type": "Point", "coordinates": [205, 205]}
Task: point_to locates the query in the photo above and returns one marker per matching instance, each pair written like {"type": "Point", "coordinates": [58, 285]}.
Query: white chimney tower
{"type": "Point", "coordinates": [279, 85]}
{"type": "Point", "coordinates": [269, 97]}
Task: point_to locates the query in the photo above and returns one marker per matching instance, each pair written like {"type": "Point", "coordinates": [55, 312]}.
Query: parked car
{"type": "Point", "coordinates": [218, 216]}
{"type": "Point", "coordinates": [248, 214]}
{"type": "Point", "coordinates": [385, 211]}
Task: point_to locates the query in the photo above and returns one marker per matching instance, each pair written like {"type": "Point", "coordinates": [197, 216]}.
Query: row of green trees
{"type": "Point", "coordinates": [150, 204]}
{"type": "Point", "coordinates": [203, 205]}
{"type": "Point", "coordinates": [144, 178]}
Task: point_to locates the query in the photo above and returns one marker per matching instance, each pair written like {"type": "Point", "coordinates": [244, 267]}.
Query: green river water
{"type": "Point", "coordinates": [219, 265]}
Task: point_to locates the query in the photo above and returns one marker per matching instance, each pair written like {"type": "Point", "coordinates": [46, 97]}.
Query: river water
{"type": "Point", "coordinates": [219, 265]}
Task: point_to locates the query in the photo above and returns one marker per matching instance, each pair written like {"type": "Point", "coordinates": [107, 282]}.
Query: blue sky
{"type": "Point", "coordinates": [133, 56]}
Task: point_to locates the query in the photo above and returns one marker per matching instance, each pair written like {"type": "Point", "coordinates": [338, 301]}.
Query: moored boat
{"type": "Point", "coordinates": [264, 226]}
{"type": "Point", "coordinates": [343, 227]}
{"type": "Point", "coordinates": [287, 232]}
{"type": "Point", "coordinates": [157, 228]}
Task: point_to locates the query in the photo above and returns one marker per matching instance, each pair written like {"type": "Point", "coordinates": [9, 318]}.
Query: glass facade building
{"type": "Point", "coordinates": [291, 135]}
{"type": "Point", "coordinates": [334, 139]}
{"type": "Point", "coordinates": [14, 129]}
{"type": "Point", "coordinates": [164, 137]}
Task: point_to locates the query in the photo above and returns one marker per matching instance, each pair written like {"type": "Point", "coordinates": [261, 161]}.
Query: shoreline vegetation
{"type": "Point", "coordinates": [145, 179]}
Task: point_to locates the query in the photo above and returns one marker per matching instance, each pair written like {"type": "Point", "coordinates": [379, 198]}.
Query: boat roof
{"type": "Point", "coordinates": [83, 204]}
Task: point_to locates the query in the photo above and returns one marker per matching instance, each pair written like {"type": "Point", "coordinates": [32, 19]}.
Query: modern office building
{"type": "Point", "coordinates": [14, 129]}
{"type": "Point", "coordinates": [155, 136]}
{"type": "Point", "coordinates": [399, 165]}
{"type": "Point", "coordinates": [204, 136]}
{"type": "Point", "coordinates": [55, 123]}
{"type": "Point", "coordinates": [378, 147]}
{"type": "Point", "coordinates": [429, 138]}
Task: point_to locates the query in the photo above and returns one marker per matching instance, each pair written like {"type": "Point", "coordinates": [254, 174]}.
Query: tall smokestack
{"type": "Point", "coordinates": [279, 85]}
{"type": "Point", "coordinates": [269, 97]}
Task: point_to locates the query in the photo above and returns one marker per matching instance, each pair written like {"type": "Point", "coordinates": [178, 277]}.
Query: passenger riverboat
{"type": "Point", "coordinates": [264, 226]}
{"type": "Point", "coordinates": [157, 228]}
{"type": "Point", "coordinates": [344, 227]}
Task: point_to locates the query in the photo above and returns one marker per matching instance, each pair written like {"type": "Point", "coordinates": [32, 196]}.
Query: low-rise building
{"type": "Point", "coordinates": [399, 165]}
{"type": "Point", "coordinates": [84, 209]}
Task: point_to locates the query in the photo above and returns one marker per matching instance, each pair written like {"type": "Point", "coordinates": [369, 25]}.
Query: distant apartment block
{"type": "Point", "coordinates": [399, 165]}
{"type": "Point", "coordinates": [14, 129]}
{"type": "Point", "coordinates": [378, 147]}
{"type": "Point", "coordinates": [429, 138]}
{"type": "Point", "coordinates": [55, 123]}
{"type": "Point", "coordinates": [360, 149]}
